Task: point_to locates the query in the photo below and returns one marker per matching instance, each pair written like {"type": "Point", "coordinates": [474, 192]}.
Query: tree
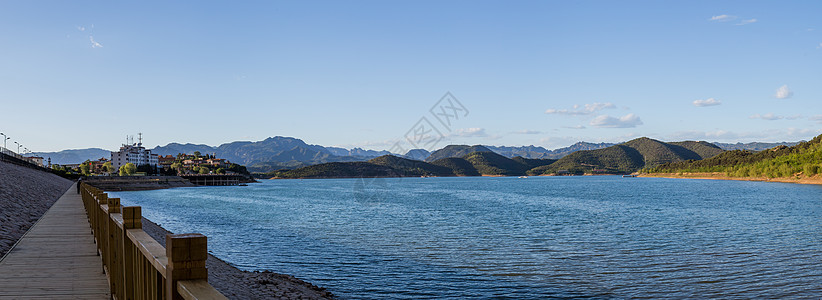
{"type": "Point", "coordinates": [128, 169]}
{"type": "Point", "coordinates": [107, 167]}
{"type": "Point", "coordinates": [203, 170]}
{"type": "Point", "coordinates": [85, 169]}
{"type": "Point", "coordinates": [197, 154]}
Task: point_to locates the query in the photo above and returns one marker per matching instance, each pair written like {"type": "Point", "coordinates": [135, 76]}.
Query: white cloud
{"type": "Point", "coordinates": [626, 121]}
{"type": "Point", "coordinates": [574, 127]}
{"type": "Point", "coordinates": [817, 118]}
{"type": "Point", "coordinates": [81, 28]}
{"type": "Point", "coordinates": [783, 92]}
{"type": "Point", "coordinates": [746, 22]}
{"type": "Point", "coordinates": [772, 117]}
{"type": "Point", "coordinates": [586, 110]}
{"type": "Point", "coordinates": [528, 131]}
{"type": "Point", "coordinates": [722, 18]}
{"type": "Point", "coordinates": [470, 132]}
{"type": "Point", "coordinates": [94, 44]}
{"type": "Point", "coordinates": [820, 46]}
{"type": "Point", "coordinates": [706, 102]}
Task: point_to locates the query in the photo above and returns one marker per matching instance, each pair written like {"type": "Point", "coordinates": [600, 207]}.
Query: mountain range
{"type": "Point", "coordinates": [278, 152]}
{"type": "Point", "coordinates": [463, 160]}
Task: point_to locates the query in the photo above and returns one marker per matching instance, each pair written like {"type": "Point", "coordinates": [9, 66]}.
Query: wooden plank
{"type": "Point", "coordinates": [198, 289]}
{"type": "Point", "coordinates": [57, 258]}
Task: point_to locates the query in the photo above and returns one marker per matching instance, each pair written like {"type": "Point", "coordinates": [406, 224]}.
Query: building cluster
{"type": "Point", "coordinates": [135, 154]}
{"type": "Point", "coordinates": [192, 164]}
{"type": "Point", "coordinates": [138, 155]}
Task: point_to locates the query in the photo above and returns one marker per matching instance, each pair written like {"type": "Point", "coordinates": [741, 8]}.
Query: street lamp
{"type": "Point", "coordinates": [5, 138]}
{"type": "Point", "coordinates": [18, 147]}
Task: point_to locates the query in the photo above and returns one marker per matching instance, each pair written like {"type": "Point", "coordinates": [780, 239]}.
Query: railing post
{"type": "Point", "coordinates": [115, 246]}
{"type": "Point", "coordinates": [187, 255]}
{"type": "Point", "coordinates": [132, 219]}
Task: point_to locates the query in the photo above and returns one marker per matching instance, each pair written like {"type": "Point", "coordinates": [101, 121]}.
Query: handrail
{"type": "Point", "coordinates": [136, 265]}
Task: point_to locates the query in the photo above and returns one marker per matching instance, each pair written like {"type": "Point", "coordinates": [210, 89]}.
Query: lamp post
{"type": "Point", "coordinates": [18, 147]}
{"type": "Point", "coordinates": [5, 138]}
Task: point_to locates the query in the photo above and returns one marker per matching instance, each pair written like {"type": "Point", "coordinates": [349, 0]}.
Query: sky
{"type": "Point", "coordinates": [77, 74]}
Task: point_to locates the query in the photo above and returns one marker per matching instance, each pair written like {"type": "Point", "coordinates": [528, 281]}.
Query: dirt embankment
{"type": "Point", "coordinates": [25, 195]}
{"type": "Point", "coordinates": [237, 284]}
{"type": "Point", "coordinates": [722, 176]}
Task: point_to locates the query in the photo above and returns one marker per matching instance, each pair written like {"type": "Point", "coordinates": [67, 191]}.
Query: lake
{"type": "Point", "coordinates": [508, 237]}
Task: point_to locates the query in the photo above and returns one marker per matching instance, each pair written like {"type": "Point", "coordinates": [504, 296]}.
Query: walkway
{"type": "Point", "coordinates": [56, 258]}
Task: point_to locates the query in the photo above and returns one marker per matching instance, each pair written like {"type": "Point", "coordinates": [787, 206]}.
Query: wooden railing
{"type": "Point", "coordinates": [136, 265]}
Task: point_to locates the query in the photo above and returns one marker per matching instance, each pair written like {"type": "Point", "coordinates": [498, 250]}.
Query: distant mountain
{"type": "Point", "coordinates": [74, 156]}
{"type": "Point", "coordinates": [417, 154]}
{"type": "Point", "coordinates": [754, 146]}
{"type": "Point", "coordinates": [523, 151]}
{"type": "Point", "coordinates": [542, 153]}
{"type": "Point", "coordinates": [579, 146]}
{"type": "Point", "coordinates": [455, 151]}
{"type": "Point", "coordinates": [273, 153]}
{"type": "Point", "coordinates": [629, 157]}
{"type": "Point", "coordinates": [176, 148]}
{"type": "Point", "coordinates": [356, 152]}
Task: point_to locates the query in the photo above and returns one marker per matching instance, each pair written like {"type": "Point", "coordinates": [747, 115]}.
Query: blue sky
{"type": "Point", "coordinates": [363, 73]}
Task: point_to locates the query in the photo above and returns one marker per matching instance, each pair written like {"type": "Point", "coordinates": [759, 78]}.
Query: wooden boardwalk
{"type": "Point", "coordinates": [56, 258]}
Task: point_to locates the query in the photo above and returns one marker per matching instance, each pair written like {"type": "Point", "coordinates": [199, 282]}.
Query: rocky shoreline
{"type": "Point", "coordinates": [237, 284]}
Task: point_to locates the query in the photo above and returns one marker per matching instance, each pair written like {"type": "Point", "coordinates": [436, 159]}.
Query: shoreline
{"type": "Point", "coordinates": [722, 176]}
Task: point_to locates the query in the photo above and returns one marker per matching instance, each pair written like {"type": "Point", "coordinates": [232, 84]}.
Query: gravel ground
{"type": "Point", "coordinates": [237, 284]}
{"type": "Point", "coordinates": [25, 195]}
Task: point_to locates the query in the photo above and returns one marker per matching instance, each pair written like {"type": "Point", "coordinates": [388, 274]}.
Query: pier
{"type": "Point", "coordinates": [214, 179]}
{"type": "Point", "coordinates": [87, 246]}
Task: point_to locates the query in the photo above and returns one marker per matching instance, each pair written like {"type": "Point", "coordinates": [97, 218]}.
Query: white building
{"type": "Point", "coordinates": [135, 154]}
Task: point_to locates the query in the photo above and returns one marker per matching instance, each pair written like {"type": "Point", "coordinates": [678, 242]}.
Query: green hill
{"type": "Point", "coordinates": [532, 162]}
{"type": "Point", "coordinates": [455, 151]}
{"type": "Point", "coordinates": [656, 153]}
{"type": "Point", "coordinates": [490, 163]}
{"type": "Point", "coordinates": [801, 160]}
{"type": "Point", "coordinates": [612, 160]}
{"type": "Point", "coordinates": [458, 166]}
{"type": "Point", "coordinates": [701, 148]}
{"type": "Point", "coordinates": [409, 167]}
{"type": "Point", "coordinates": [628, 157]}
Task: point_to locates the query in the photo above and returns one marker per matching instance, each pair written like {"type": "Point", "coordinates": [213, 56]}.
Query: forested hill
{"type": "Point", "coordinates": [618, 159]}
{"type": "Point", "coordinates": [485, 163]}
{"type": "Point", "coordinates": [628, 157]}
{"type": "Point", "coordinates": [802, 160]}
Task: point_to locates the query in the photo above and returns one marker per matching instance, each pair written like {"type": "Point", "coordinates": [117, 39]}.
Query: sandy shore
{"type": "Point", "coordinates": [237, 284]}
{"type": "Point", "coordinates": [722, 176]}
{"type": "Point", "coordinates": [25, 195]}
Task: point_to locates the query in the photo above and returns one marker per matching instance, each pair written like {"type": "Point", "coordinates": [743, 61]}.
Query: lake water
{"type": "Point", "coordinates": [507, 237]}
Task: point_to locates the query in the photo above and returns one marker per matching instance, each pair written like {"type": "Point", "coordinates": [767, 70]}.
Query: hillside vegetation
{"type": "Point", "coordinates": [628, 157]}
{"type": "Point", "coordinates": [618, 159]}
{"type": "Point", "coordinates": [802, 160]}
